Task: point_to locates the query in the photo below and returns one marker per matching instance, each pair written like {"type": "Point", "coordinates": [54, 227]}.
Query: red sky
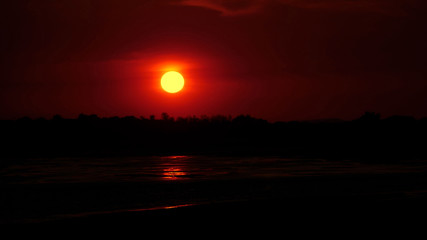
{"type": "Point", "coordinates": [273, 59]}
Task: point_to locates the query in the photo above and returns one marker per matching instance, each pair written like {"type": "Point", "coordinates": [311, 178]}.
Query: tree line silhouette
{"type": "Point", "coordinates": [367, 138]}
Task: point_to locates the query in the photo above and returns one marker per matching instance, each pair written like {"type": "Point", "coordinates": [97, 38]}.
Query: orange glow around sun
{"type": "Point", "coordinates": [172, 82]}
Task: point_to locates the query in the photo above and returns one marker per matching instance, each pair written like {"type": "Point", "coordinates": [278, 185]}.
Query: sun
{"type": "Point", "coordinates": [172, 82]}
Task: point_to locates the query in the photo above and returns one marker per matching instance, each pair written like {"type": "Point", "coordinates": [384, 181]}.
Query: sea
{"type": "Point", "coordinates": [38, 190]}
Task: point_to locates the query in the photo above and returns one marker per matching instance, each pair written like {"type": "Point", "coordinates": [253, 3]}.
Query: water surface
{"type": "Point", "coordinates": [183, 168]}
{"type": "Point", "coordinates": [38, 189]}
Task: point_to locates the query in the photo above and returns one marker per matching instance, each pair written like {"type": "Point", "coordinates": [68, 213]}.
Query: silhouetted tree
{"type": "Point", "coordinates": [181, 120]}
{"type": "Point", "coordinates": [115, 118]}
{"type": "Point", "coordinates": [370, 117]}
{"type": "Point", "coordinates": [368, 137]}
{"type": "Point", "coordinates": [220, 119]}
{"type": "Point", "coordinates": [41, 119]}
{"type": "Point", "coordinates": [57, 117]}
{"type": "Point", "coordinates": [84, 117]}
{"type": "Point", "coordinates": [130, 118]}
{"type": "Point", "coordinates": [400, 119]}
{"type": "Point", "coordinates": [25, 119]}
{"type": "Point", "coordinates": [165, 116]}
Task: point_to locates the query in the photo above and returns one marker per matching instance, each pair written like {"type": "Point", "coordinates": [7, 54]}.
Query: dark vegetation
{"type": "Point", "coordinates": [366, 138]}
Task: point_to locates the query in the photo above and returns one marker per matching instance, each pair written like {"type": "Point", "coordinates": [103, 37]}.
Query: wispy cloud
{"type": "Point", "coordinates": [245, 7]}
{"type": "Point", "coordinates": [386, 7]}
{"type": "Point", "coordinates": [228, 7]}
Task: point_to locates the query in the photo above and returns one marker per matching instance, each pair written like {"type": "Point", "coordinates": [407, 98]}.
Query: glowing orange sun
{"type": "Point", "coordinates": [172, 82]}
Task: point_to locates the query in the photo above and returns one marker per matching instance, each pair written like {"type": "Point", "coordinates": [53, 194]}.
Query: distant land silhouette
{"type": "Point", "coordinates": [367, 138]}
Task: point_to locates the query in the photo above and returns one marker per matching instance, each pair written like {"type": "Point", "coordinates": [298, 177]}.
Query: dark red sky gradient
{"type": "Point", "coordinates": [273, 59]}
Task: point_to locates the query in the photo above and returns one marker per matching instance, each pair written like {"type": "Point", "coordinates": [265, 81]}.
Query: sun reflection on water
{"type": "Point", "coordinates": [173, 173]}
{"type": "Point", "coordinates": [174, 167]}
{"type": "Point", "coordinates": [175, 157]}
